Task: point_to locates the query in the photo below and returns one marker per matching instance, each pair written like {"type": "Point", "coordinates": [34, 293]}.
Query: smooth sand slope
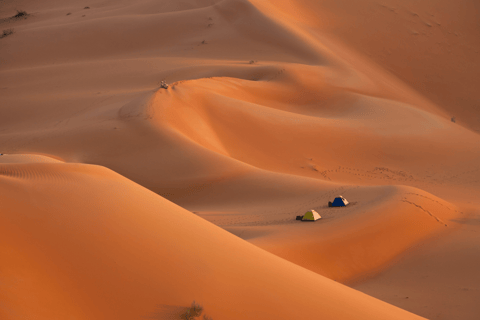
{"type": "Point", "coordinates": [273, 108]}
{"type": "Point", "coordinates": [89, 244]}
{"type": "Point", "coordinates": [432, 45]}
{"type": "Point", "coordinates": [440, 280]}
{"type": "Point", "coordinates": [307, 111]}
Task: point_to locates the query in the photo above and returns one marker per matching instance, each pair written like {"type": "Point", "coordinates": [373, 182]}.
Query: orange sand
{"type": "Point", "coordinates": [115, 191]}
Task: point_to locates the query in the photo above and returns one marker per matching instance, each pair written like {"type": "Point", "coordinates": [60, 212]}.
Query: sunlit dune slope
{"type": "Point", "coordinates": [273, 108]}
{"type": "Point", "coordinates": [440, 278]}
{"type": "Point", "coordinates": [293, 116]}
{"type": "Point", "coordinates": [300, 107]}
{"type": "Point", "coordinates": [81, 241]}
{"type": "Point", "coordinates": [199, 132]}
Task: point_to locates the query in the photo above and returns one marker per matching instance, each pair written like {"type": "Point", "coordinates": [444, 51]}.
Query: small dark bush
{"type": "Point", "coordinates": [86, 8]}
{"type": "Point", "coordinates": [20, 13]}
{"type": "Point", "coordinates": [453, 119]}
{"type": "Point", "coordinates": [7, 32]}
{"type": "Point", "coordinates": [69, 13]}
{"type": "Point", "coordinates": [193, 312]}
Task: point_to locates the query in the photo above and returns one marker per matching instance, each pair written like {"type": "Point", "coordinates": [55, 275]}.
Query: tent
{"type": "Point", "coordinates": [338, 202]}
{"type": "Point", "coordinates": [311, 215]}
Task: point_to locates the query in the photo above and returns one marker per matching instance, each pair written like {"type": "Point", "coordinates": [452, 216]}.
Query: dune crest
{"type": "Point", "coordinates": [272, 108]}
{"type": "Point", "coordinates": [119, 259]}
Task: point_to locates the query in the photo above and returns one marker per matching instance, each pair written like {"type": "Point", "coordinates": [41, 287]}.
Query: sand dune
{"type": "Point", "coordinates": [127, 253]}
{"type": "Point", "coordinates": [273, 108]}
{"type": "Point", "coordinates": [27, 158]}
{"type": "Point", "coordinates": [431, 45]}
{"type": "Point", "coordinates": [396, 219]}
{"type": "Point", "coordinates": [433, 269]}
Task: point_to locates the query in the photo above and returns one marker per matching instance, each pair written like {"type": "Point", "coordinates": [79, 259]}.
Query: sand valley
{"type": "Point", "coordinates": [122, 198]}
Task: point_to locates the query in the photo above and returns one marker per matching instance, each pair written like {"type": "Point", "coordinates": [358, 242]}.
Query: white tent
{"type": "Point", "coordinates": [311, 215]}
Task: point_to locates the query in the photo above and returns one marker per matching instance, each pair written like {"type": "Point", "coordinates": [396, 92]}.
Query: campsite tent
{"type": "Point", "coordinates": [311, 215]}
{"type": "Point", "coordinates": [339, 202]}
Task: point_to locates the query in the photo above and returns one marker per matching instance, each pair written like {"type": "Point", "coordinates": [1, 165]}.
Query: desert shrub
{"type": "Point", "coordinates": [7, 32]}
{"type": "Point", "coordinates": [193, 312]}
{"type": "Point", "coordinates": [86, 8]}
{"type": "Point", "coordinates": [453, 119]}
{"type": "Point", "coordinates": [20, 13]}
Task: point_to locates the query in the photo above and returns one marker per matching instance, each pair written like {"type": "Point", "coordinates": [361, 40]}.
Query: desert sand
{"type": "Point", "coordinates": [125, 200]}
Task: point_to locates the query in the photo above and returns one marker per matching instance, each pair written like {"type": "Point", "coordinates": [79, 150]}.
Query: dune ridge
{"type": "Point", "coordinates": [118, 259]}
{"type": "Point", "coordinates": [273, 108]}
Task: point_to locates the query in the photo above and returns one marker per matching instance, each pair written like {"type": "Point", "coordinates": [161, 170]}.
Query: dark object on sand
{"type": "Point", "coordinates": [338, 202]}
{"type": "Point", "coordinates": [20, 13]}
{"type": "Point", "coordinates": [7, 32]}
{"type": "Point", "coordinates": [163, 85]}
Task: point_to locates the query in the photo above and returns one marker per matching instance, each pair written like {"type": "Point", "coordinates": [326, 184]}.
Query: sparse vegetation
{"type": "Point", "coordinates": [20, 14]}
{"type": "Point", "coordinates": [204, 42]}
{"type": "Point", "coordinates": [251, 61]}
{"type": "Point", "coordinates": [453, 119]}
{"type": "Point", "coordinates": [86, 8]}
{"type": "Point", "coordinates": [7, 32]}
{"type": "Point", "coordinates": [69, 13]}
{"type": "Point", "coordinates": [194, 312]}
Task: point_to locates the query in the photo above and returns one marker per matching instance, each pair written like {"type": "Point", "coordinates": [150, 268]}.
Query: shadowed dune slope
{"type": "Point", "coordinates": [81, 241]}
{"type": "Point", "coordinates": [228, 29]}
{"type": "Point", "coordinates": [27, 158]}
{"type": "Point", "coordinates": [347, 244]}
{"type": "Point", "coordinates": [432, 45]}
{"type": "Point", "coordinates": [354, 242]}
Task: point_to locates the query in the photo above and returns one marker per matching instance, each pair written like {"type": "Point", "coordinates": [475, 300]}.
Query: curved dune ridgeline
{"type": "Point", "coordinates": [128, 253]}
{"type": "Point", "coordinates": [122, 199]}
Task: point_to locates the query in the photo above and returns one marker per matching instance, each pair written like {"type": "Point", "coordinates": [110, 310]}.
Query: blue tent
{"type": "Point", "coordinates": [339, 202]}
